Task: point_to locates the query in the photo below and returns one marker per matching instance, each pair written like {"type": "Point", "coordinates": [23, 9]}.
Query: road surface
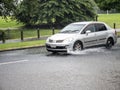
{"type": "Point", "coordinates": [36, 69]}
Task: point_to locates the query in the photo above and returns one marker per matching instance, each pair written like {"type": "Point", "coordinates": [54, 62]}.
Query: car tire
{"type": "Point", "coordinates": [77, 46]}
{"type": "Point", "coordinates": [109, 43]}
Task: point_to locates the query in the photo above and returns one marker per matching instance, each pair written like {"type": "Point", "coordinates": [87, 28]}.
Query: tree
{"type": "Point", "coordinates": [55, 11]}
{"type": "Point", "coordinates": [109, 4]}
{"type": "Point", "coordinates": [7, 7]}
{"type": "Point", "coordinates": [67, 11]}
{"type": "Point", "coordinates": [27, 12]}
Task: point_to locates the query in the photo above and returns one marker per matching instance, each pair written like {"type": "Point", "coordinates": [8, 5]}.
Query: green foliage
{"type": "Point", "coordinates": [109, 4]}
{"type": "Point", "coordinates": [9, 23]}
{"type": "Point", "coordinates": [7, 7]}
{"type": "Point", "coordinates": [55, 11]}
{"type": "Point", "coordinates": [27, 11]}
{"type": "Point", "coordinates": [67, 11]}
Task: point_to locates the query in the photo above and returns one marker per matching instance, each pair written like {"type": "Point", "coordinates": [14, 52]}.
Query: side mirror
{"type": "Point", "coordinates": [87, 32]}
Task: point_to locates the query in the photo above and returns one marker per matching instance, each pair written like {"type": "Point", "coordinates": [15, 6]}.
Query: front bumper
{"type": "Point", "coordinates": [57, 48]}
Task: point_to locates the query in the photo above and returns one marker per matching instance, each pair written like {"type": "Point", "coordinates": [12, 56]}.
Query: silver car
{"type": "Point", "coordinates": [79, 35]}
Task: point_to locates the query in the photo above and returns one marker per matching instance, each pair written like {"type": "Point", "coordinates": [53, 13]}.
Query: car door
{"type": "Point", "coordinates": [89, 39]}
{"type": "Point", "coordinates": [101, 33]}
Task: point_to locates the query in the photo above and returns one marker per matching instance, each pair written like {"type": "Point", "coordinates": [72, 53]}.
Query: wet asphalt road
{"type": "Point", "coordinates": [36, 69]}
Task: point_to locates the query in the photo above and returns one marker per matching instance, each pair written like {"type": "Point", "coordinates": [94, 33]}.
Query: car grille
{"type": "Point", "coordinates": [57, 47]}
{"type": "Point", "coordinates": [57, 41]}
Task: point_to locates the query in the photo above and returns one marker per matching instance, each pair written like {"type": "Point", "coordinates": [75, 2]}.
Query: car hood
{"type": "Point", "coordinates": [61, 36]}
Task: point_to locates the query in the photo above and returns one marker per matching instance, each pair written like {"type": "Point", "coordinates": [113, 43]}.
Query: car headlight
{"type": "Point", "coordinates": [47, 40]}
{"type": "Point", "coordinates": [68, 40]}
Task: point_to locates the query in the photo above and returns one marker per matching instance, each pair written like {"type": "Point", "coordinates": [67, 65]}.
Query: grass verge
{"type": "Point", "coordinates": [118, 34]}
{"type": "Point", "coordinates": [110, 19]}
{"type": "Point", "coordinates": [18, 45]}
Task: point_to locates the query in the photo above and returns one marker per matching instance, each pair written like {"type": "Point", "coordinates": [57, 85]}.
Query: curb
{"type": "Point", "coordinates": [13, 49]}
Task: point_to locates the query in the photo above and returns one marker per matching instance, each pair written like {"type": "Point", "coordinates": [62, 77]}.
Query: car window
{"type": "Point", "coordinates": [100, 27]}
{"type": "Point", "coordinates": [72, 28]}
{"type": "Point", "coordinates": [89, 27]}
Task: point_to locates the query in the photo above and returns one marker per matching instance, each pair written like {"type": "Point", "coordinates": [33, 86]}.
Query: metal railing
{"type": "Point", "coordinates": [23, 34]}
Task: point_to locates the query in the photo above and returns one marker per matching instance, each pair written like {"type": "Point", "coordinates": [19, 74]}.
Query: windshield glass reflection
{"type": "Point", "coordinates": [72, 28]}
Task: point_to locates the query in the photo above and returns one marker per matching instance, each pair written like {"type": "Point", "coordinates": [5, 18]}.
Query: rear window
{"type": "Point", "coordinates": [100, 27]}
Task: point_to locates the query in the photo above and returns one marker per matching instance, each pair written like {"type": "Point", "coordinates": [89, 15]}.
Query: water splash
{"type": "Point", "coordinates": [86, 51]}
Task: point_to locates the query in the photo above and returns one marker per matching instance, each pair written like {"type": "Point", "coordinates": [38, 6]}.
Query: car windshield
{"type": "Point", "coordinates": [72, 28]}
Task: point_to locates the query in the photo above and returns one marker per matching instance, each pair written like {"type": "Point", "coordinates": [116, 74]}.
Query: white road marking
{"type": "Point", "coordinates": [13, 62]}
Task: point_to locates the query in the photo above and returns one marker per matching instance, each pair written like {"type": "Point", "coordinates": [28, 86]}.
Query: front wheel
{"type": "Point", "coordinates": [109, 43]}
{"type": "Point", "coordinates": [77, 46]}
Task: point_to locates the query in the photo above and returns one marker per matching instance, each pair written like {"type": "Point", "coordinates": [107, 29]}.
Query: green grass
{"type": "Point", "coordinates": [15, 34]}
{"type": "Point", "coordinates": [118, 34]}
{"type": "Point", "coordinates": [17, 45]}
{"type": "Point", "coordinates": [9, 23]}
{"type": "Point", "coordinates": [110, 19]}
{"type": "Point", "coordinates": [43, 32]}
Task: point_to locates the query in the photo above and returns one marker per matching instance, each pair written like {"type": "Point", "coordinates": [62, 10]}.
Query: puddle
{"type": "Point", "coordinates": [88, 51]}
{"type": "Point", "coordinates": [33, 51]}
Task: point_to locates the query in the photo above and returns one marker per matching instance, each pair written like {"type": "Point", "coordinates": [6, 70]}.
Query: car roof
{"type": "Point", "coordinates": [86, 22]}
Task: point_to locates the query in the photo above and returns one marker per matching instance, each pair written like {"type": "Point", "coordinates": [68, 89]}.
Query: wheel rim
{"type": "Point", "coordinates": [77, 46]}
{"type": "Point", "coordinates": [109, 43]}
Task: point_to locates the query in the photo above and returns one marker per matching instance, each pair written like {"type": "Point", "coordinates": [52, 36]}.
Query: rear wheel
{"type": "Point", "coordinates": [77, 46]}
{"type": "Point", "coordinates": [109, 43]}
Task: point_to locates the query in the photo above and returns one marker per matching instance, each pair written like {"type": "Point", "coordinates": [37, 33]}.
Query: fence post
{"type": "Point", "coordinates": [21, 34]}
{"type": "Point", "coordinates": [96, 18]}
{"type": "Point", "coordinates": [114, 25]}
{"type": "Point", "coordinates": [3, 37]}
{"type": "Point", "coordinates": [38, 33]}
{"type": "Point", "coordinates": [53, 30]}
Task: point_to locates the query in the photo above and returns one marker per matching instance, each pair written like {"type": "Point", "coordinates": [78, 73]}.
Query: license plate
{"type": "Point", "coordinates": [53, 46]}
